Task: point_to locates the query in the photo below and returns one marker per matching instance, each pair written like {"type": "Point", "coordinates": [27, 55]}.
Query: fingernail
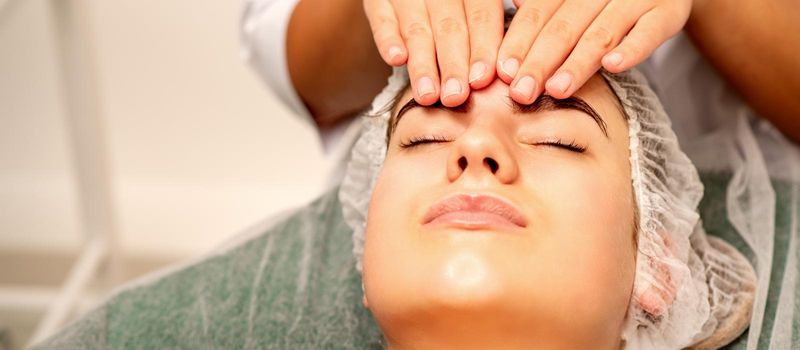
{"type": "Point", "coordinates": [524, 86]}
{"type": "Point", "coordinates": [476, 71]}
{"type": "Point", "coordinates": [395, 53]}
{"type": "Point", "coordinates": [560, 82]}
{"type": "Point", "coordinates": [425, 86]}
{"type": "Point", "coordinates": [451, 87]}
{"type": "Point", "coordinates": [612, 59]}
{"type": "Point", "coordinates": [510, 67]}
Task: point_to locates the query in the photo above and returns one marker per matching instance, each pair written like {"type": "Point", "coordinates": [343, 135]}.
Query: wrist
{"type": "Point", "coordinates": [698, 13]}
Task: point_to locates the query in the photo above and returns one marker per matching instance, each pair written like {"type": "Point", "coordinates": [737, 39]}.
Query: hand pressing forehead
{"type": "Point", "coordinates": [454, 47]}
{"type": "Point", "coordinates": [596, 90]}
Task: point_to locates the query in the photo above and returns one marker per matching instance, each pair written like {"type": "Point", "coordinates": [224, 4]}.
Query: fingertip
{"type": "Point", "coordinates": [507, 69]}
{"type": "Point", "coordinates": [427, 100]}
{"type": "Point", "coordinates": [651, 303]}
{"type": "Point", "coordinates": [477, 71]}
{"type": "Point", "coordinates": [395, 56]}
{"type": "Point", "coordinates": [480, 75]}
{"type": "Point", "coordinates": [425, 91]}
{"type": "Point", "coordinates": [517, 97]}
{"type": "Point", "coordinates": [455, 100]}
{"type": "Point", "coordinates": [481, 83]}
{"type": "Point", "coordinates": [454, 92]}
{"type": "Point", "coordinates": [613, 62]}
{"type": "Point", "coordinates": [521, 98]}
{"type": "Point", "coordinates": [559, 85]}
{"type": "Point", "coordinates": [560, 95]}
{"type": "Point", "coordinates": [523, 90]}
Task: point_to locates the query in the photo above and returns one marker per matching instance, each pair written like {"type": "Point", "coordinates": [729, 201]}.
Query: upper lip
{"type": "Point", "coordinates": [476, 203]}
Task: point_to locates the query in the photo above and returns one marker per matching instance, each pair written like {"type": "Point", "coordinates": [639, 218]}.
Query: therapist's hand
{"type": "Point", "coordinates": [557, 45]}
{"type": "Point", "coordinates": [449, 46]}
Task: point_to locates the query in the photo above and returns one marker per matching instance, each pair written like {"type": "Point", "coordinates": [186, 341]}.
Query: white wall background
{"type": "Point", "coordinates": [197, 146]}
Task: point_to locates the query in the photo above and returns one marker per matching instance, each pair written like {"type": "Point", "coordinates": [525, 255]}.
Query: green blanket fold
{"type": "Point", "coordinates": [293, 287]}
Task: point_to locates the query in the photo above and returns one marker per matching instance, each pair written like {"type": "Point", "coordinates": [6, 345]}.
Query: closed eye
{"type": "Point", "coordinates": [558, 143]}
{"type": "Point", "coordinates": [422, 140]}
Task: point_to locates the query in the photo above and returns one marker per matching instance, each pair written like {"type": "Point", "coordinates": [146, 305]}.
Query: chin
{"type": "Point", "coordinates": [464, 280]}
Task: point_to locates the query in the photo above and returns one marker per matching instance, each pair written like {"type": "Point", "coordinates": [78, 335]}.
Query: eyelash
{"type": "Point", "coordinates": [558, 143]}
{"type": "Point", "coordinates": [422, 140]}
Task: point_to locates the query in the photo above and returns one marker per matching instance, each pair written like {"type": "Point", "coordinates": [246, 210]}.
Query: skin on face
{"type": "Point", "coordinates": [563, 281]}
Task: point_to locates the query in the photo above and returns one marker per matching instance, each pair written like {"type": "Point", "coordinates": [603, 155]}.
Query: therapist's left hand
{"type": "Point", "coordinates": [557, 45]}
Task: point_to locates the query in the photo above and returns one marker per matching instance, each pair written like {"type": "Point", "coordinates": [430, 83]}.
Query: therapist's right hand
{"type": "Point", "coordinates": [449, 46]}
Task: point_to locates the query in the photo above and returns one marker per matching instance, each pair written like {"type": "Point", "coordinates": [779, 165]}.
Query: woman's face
{"type": "Point", "coordinates": [496, 224]}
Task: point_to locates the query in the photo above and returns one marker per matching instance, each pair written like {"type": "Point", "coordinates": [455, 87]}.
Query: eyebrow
{"type": "Point", "coordinates": [543, 103]}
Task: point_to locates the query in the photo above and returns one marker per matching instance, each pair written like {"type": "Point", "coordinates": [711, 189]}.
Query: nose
{"type": "Point", "coordinates": [482, 153]}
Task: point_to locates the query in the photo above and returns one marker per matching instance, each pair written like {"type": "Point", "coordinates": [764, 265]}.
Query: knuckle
{"type": "Point", "coordinates": [449, 25]}
{"type": "Point", "coordinates": [530, 70]}
{"type": "Point", "coordinates": [384, 39]}
{"type": "Point", "coordinates": [635, 48]}
{"type": "Point", "coordinates": [416, 30]}
{"type": "Point", "coordinates": [418, 68]}
{"type": "Point", "coordinates": [560, 29]}
{"type": "Point", "coordinates": [451, 68]}
{"type": "Point", "coordinates": [382, 24]}
{"type": "Point", "coordinates": [480, 53]}
{"type": "Point", "coordinates": [479, 17]}
{"type": "Point", "coordinates": [375, 24]}
{"type": "Point", "coordinates": [600, 37]}
{"type": "Point", "coordinates": [530, 16]}
{"type": "Point", "coordinates": [420, 72]}
{"type": "Point", "coordinates": [418, 59]}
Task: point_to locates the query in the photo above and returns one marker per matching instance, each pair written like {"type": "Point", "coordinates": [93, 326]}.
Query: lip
{"type": "Point", "coordinates": [474, 212]}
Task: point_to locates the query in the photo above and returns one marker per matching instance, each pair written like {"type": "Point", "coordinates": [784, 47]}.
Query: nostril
{"type": "Point", "coordinates": [462, 163]}
{"type": "Point", "coordinates": [492, 164]}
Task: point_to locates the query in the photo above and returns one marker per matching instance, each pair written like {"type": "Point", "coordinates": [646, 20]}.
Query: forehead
{"type": "Point", "coordinates": [595, 92]}
{"type": "Point", "coordinates": [602, 103]}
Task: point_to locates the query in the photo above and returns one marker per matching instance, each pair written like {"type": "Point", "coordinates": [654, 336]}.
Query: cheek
{"type": "Point", "coordinates": [403, 180]}
{"type": "Point", "coordinates": [586, 195]}
{"type": "Point", "coordinates": [588, 222]}
{"type": "Point", "coordinates": [393, 217]}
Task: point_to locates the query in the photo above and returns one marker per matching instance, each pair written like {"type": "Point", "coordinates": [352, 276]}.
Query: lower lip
{"type": "Point", "coordinates": [472, 220]}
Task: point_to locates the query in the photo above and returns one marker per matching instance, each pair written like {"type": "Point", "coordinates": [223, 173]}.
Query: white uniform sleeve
{"type": "Point", "coordinates": [264, 24]}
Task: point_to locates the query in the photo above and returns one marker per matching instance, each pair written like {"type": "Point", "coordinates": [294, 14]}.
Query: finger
{"type": "Point", "coordinates": [518, 3]}
{"type": "Point", "coordinates": [655, 301]}
{"type": "Point", "coordinates": [416, 31]}
{"type": "Point", "coordinates": [552, 46]}
{"type": "Point", "coordinates": [659, 289]}
{"type": "Point", "coordinates": [650, 31]}
{"type": "Point", "coordinates": [525, 26]}
{"type": "Point", "coordinates": [603, 34]}
{"type": "Point", "coordinates": [485, 23]}
{"type": "Point", "coordinates": [386, 31]}
{"type": "Point", "coordinates": [451, 40]}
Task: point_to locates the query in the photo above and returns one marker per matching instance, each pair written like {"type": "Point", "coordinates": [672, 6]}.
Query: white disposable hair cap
{"type": "Point", "coordinates": [690, 290]}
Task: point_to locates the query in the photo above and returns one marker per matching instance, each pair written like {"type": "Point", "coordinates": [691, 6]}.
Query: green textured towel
{"type": "Point", "coordinates": [295, 287]}
{"type": "Point", "coordinates": [715, 220]}
{"type": "Point", "coordinates": [292, 287]}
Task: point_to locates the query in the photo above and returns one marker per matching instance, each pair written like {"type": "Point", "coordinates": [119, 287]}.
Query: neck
{"type": "Point", "coordinates": [469, 342]}
{"type": "Point", "coordinates": [487, 331]}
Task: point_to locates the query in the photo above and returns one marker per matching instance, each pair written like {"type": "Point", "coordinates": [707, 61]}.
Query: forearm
{"type": "Point", "coordinates": [755, 46]}
{"type": "Point", "coordinates": [332, 58]}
